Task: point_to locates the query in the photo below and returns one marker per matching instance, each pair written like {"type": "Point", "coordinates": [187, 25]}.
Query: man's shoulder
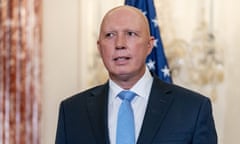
{"type": "Point", "coordinates": [81, 96]}
{"type": "Point", "coordinates": [181, 92]}
{"type": "Point", "coordinates": [188, 95]}
{"type": "Point", "coordinates": [182, 98]}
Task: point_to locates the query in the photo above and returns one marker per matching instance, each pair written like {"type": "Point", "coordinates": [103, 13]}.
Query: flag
{"type": "Point", "coordinates": [156, 61]}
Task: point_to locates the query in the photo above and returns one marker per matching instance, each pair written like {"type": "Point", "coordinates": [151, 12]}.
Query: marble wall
{"type": "Point", "coordinates": [20, 71]}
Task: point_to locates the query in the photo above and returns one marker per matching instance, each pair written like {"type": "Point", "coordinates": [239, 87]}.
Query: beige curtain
{"type": "Point", "coordinates": [20, 71]}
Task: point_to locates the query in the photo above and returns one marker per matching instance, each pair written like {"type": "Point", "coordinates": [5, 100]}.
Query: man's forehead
{"type": "Point", "coordinates": [125, 12]}
{"type": "Point", "coordinates": [127, 16]}
{"type": "Point", "coordinates": [123, 18]}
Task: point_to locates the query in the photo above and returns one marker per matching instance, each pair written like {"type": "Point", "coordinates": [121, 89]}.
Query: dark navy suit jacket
{"type": "Point", "coordinates": [174, 115]}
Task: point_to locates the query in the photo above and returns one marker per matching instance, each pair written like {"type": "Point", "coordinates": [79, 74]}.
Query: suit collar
{"type": "Point", "coordinates": [159, 102]}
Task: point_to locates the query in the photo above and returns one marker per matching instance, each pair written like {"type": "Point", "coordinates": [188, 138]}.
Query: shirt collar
{"type": "Point", "coordinates": [141, 88]}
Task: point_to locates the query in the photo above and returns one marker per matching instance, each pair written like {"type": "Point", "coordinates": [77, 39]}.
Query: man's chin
{"type": "Point", "coordinates": [124, 76]}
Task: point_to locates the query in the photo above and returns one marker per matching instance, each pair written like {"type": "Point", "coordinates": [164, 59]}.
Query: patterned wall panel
{"type": "Point", "coordinates": [20, 71]}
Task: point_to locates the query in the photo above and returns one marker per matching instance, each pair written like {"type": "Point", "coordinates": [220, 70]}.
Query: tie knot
{"type": "Point", "coordinates": [127, 95]}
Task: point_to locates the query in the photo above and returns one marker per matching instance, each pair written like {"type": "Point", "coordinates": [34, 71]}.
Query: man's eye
{"type": "Point", "coordinates": [109, 35]}
{"type": "Point", "coordinates": [131, 33]}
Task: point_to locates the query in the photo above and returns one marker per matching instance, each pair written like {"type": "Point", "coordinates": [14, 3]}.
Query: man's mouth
{"type": "Point", "coordinates": [121, 58]}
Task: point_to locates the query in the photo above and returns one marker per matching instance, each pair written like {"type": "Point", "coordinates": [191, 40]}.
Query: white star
{"type": "Point", "coordinates": [144, 13]}
{"type": "Point", "coordinates": [155, 42]}
{"type": "Point", "coordinates": [151, 64]}
{"type": "Point", "coordinates": [166, 71]}
{"type": "Point", "coordinates": [155, 22]}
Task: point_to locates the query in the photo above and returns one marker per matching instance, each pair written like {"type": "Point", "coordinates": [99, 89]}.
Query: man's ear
{"type": "Point", "coordinates": [98, 45]}
{"type": "Point", "coordinates": [150, 44]}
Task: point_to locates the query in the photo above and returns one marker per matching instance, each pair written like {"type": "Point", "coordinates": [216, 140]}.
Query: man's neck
{"type": "Point", "coordinates": [128, 81]}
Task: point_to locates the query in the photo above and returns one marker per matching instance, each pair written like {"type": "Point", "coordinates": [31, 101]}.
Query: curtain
{"type": "Point", "coordinates": [20, 71]}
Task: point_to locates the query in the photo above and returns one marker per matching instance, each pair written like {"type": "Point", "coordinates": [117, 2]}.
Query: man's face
{"type": "Point", "coordinates": [124, 43]}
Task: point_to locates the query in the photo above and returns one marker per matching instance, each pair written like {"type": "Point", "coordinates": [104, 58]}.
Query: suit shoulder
{"type": "Point", "coordinates": [184, 98]}
{"type": "Point", "coordinates": [82, 95]}
{"type": "Point", "coordinates": [182, 92]}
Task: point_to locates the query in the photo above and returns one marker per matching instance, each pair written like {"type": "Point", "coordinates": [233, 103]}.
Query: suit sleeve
{"type": "Point", "coordinates": [60, 134]}
{"type": "Point", "coordinates": [205, 132]}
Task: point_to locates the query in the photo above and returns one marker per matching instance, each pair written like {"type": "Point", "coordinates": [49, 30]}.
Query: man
{"type": "Point", "coordinates": [163, 113]}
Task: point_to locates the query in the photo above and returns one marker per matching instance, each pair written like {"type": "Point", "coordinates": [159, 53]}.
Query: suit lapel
{"type": "Point", "coordinates": [97, 104]}
{"type": "Point", "coordinates": [159, 102]}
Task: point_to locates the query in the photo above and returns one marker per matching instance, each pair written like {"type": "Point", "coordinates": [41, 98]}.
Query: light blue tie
{"type": "Point", "coordinates": [125, 122]}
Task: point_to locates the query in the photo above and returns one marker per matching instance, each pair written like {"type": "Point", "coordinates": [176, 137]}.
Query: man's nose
{"type": "Point", "coordinates": [120, 42]}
